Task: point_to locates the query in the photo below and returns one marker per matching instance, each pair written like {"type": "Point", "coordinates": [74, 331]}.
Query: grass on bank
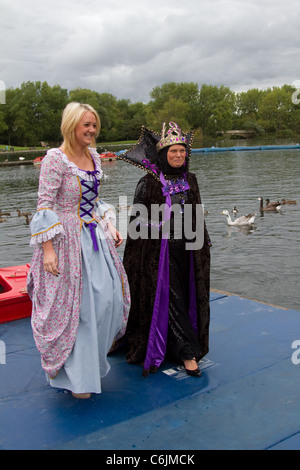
{"type": "Point", "coordinates": [38, 147]}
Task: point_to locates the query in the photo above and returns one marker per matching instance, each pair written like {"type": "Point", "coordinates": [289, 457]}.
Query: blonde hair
{"type": "Point", "coordinates": [71, 116]}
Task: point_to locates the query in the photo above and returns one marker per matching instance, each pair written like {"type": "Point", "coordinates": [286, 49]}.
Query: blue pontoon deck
{"type": "Point", "coordinates": [247, 397]}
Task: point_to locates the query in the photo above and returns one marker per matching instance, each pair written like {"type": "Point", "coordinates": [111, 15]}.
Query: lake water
{"type": "Point", "coordinates": [261, 263]}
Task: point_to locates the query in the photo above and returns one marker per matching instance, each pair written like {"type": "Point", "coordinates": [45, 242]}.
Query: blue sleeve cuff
{"type": "Point", "coordinates": [45, 226]}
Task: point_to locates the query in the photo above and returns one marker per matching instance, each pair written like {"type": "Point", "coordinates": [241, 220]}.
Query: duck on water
{"type": "Point", "coordinates": [269, 207]}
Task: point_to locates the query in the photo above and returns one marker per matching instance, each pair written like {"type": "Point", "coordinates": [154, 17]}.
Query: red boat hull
{"type": "Point", "coordinates": [108, 156]}
{"type": "Point", "coordinates": [14, 304]}
{"type": "Point", "coordinates": [38, 160]}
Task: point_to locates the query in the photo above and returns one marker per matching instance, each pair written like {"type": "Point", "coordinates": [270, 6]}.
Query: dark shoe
{"type": "Point", "coordinates": [152, 370]}
{"type": "Point", "coordinates": [194, 373]}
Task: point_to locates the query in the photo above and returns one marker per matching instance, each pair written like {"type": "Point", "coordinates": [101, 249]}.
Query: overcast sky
{"type": "Point", "coordinates": [127, 47]}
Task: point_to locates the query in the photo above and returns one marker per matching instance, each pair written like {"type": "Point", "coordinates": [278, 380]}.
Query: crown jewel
{"type": "Point", "coordinates": [171, 136]}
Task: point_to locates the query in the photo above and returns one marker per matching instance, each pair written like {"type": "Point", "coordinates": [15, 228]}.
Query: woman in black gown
{"type": "Point", "coordinates": [168, 272]}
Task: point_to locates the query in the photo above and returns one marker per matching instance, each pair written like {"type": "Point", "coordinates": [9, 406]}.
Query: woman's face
{"type": "Point", "coordinates": [176, 155]}
{"type": "Point", "coordinates": [86, 129]}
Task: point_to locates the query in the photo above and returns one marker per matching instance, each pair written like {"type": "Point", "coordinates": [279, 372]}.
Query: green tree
{"type": "Point", "coordinates": [51, 104]}
{"type": "Point", "coordinates": [172, 110]}
{"type": "Point", "coordinates": [27, 127]}
{"type": "Point", "coordinates": [33, 113]}
{"type": "Point", "coordinates": [85, 96]}
{"type": "Point", "coordinates": [247, 104]}
{"type": "Point", "coordinates": [163, 104]}
{"type": "Point", "coordinates": [183, 91]}
{"type": "Point", "coordinates": [3, 124]}
{"type": "Point", "coordinates": [295, 114]}
{"type": "Point", "coordinates": [109, 107]}
{"type": "Point", "coordinates": [7, 128]}
{"type": "Point", "coordinates": [133, 120]}
{"type": "Point", "coordinates": [120, 119]}
{"type": "Point", "coordinates": [275, 109]}
{"type": "Point", "coordinates": [215, 109]}
{"type": "Point", "coordinates": [93, 98]}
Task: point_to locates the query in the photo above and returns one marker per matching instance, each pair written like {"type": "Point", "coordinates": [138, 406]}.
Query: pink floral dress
{"type": "Point", "coordinates": [76, 315]}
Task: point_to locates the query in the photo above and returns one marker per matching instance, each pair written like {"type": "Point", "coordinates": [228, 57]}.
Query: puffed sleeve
{"type": "Point", "coordinates": [45, 224]}
{"type": "Point", "coordinates": [105, 211]}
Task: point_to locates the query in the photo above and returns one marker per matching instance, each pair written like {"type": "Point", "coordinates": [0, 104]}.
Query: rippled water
{"type": "Point", "coordinates": [261, 263]}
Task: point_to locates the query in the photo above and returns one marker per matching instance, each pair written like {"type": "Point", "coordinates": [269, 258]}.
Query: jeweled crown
{"type": "Point", "coordinates": [171, 136]}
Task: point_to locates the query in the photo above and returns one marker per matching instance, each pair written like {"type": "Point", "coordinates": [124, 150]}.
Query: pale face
{"type": "Point", "coordinates": [176, 155]}
{"type": "Point", "coordinates": [86, 129]}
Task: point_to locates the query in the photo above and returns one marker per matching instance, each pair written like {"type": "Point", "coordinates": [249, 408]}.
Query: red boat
{"type": "Point", "coordinates": [38, 160]}
{"type": "Point", "coordinates": [14, 300]}
{"type": "Point", "coordinates": [108, 156]}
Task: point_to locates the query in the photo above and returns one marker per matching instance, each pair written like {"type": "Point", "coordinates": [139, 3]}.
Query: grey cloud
{"type": "Point", "coordinates": [127, 48]}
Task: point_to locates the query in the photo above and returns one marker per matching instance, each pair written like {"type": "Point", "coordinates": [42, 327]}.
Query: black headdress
{"type": "Point", "coordinates": [150, 151]}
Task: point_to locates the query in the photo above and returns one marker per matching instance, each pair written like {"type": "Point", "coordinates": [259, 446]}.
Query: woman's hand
{"type": "Point", "coordinates": [50, 261]}
{"type": "Point", "coordinates": [115, 234]}
{"type": "Point", "coordinates": [118, 239]}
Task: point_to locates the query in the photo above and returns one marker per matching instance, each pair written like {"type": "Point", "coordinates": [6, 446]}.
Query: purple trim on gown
{"type": "Point", "coordinates": [157, 342]}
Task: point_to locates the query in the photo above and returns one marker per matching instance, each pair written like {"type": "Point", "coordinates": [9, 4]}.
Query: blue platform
{"type": "Point", "coordinates": [247, 398]}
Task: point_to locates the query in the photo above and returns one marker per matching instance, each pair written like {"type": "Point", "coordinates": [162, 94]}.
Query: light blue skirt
{"type": "Point", "coordinates": [100, 319]}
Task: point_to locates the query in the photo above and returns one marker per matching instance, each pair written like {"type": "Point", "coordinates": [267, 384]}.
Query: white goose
{"type": "Point", "coordinates": [243, 220]}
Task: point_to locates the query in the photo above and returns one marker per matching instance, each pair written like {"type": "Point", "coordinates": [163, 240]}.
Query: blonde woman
{"type": "Point", "coordinates": [77, 283]}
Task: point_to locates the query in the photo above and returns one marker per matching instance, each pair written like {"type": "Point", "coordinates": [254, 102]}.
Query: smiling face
{"type": "Point", "coordinates": [176, 155]}
{"type": "Point", "coordinates": [86, 129]}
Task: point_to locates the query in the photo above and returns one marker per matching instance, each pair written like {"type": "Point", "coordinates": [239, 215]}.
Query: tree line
{"type": "Point", "coordinates": [32, 112]}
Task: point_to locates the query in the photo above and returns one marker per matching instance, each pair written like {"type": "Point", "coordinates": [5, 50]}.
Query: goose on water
{"type": "Point", "coordinates": [272, 203]}
{"type": "Point", "coordinates": [27, 219]}
{"type": "Point", "coordinates": [4, 213]}
{"type": "Point", "coordinates": [268, 207]}
{"type": "Point", "coordinates": [288, 202]}
{"type": "Point", "coordinates": [23, 214]}
{"type": "Point", "coordinates": [243, 220]}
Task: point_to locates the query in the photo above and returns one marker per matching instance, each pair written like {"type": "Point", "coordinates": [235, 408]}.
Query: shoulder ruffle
{"type": "Point", "coordinates": [85, 175]}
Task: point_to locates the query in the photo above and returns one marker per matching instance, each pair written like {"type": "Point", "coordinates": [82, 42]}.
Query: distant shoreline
{"type": "Point", "coordinates": [199, 150]}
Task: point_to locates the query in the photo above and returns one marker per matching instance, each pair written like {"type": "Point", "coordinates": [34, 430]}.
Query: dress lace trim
{"type": "Point", "coordinates": [84, 174]}
{"type": "Point", "coordinates": [57, 232]}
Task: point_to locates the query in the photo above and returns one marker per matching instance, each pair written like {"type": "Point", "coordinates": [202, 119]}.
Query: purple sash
{"type": "Point", "coordinates": [157, 342]}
